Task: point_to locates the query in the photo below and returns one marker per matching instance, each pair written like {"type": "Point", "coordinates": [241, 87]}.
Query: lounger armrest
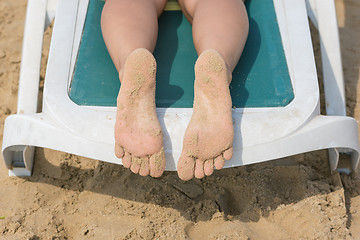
{"type": "Point", "coordinates": [31, 56]}
{"type": "Point", "coordinates": [323, 15]}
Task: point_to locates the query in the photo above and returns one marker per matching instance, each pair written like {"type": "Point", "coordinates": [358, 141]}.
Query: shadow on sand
{"type": "Point", "coordinates": [245, 193]}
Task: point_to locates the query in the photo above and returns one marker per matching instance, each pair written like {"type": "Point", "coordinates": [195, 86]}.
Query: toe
{"type": "Point", "coordinates": [135, 164]}
{"type": "Point", "coordinates": [119, 151]}
{"type": "Point", "coordinates": [228, 154]}
{"type": "Point", "coordinates": [209, 167]}
{"type": "Point", "coordinates": [126, 160]}
{"type": "Point", "coordinates": [186, 167]}
{"type": "Point", "coordinates": [219, 162]}
{"type": "Point", "coordinates": [157, 163]}
{"type": "Point", "coordinates": [199, 168]}
{"type": "Point", "coordinates": [144, 167]}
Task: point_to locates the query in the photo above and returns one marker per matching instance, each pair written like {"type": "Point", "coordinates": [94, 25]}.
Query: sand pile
{"type": "Point", "coordinates": [70, 197]}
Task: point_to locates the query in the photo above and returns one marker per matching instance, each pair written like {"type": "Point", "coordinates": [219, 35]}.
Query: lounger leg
{"type": "Point", "coordinates": [22, 156]}
{"type": "Point", "coordinates": [333, 158]}
{"type": "Point", "coordinates": [323, 15]}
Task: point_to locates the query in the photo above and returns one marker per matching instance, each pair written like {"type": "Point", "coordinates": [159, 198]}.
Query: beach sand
{"type": "Point", "coordinates": [71, 197]}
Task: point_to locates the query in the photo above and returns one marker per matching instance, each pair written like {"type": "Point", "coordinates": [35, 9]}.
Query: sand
{"type": "Point", "coordinates": [70, 197]}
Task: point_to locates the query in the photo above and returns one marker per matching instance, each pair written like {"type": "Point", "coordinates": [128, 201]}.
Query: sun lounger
{"type": "Point", "coordinates": [274, 90]}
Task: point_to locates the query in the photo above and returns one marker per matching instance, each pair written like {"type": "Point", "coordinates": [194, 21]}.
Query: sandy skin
{"type": "Point", "coordinates": [137, 131]}
{"type": "Point", "coordinates": [209, 136]}
{"type": "Point", "coordinates": [138, 134]}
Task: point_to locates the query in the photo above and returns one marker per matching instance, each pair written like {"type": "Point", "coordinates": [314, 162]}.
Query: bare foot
{"type": "Point", "coordinates": [138, 135]}
{"type": "Point", "coordinates": [209, 137]}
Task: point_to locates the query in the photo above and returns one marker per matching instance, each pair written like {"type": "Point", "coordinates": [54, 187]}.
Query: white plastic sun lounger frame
{"type": "Point", "coordinates": [261, 134]}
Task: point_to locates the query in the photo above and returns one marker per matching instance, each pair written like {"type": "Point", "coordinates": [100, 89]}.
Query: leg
{"type": "Point", "coordinates": [130, 24]}
{"type": "Point", "coordinates": [130, 29]}
{"type": "Point", "coordinates": [220, 30]}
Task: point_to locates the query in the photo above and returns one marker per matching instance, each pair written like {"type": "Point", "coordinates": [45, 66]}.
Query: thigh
{"type": "Point", "coordinates": [160, 5]}
{"type": "Point", "coordinates": [188, 8]}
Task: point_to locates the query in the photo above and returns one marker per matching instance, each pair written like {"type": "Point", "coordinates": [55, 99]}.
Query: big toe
{"type": "Point", "coordinates": [157, 163]}
{"type": "Point", "coordinates": [186, 167]}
